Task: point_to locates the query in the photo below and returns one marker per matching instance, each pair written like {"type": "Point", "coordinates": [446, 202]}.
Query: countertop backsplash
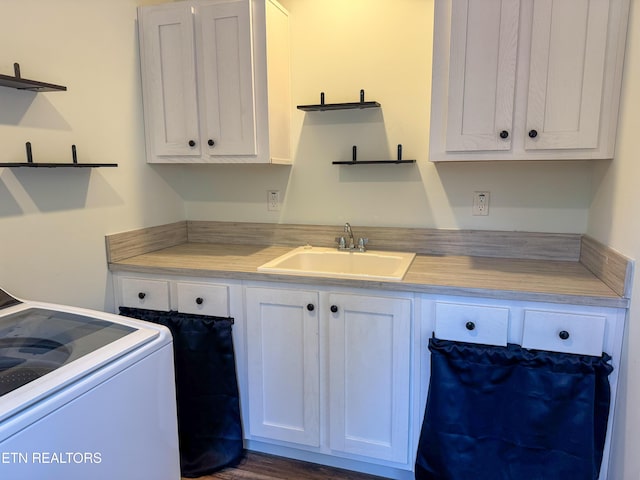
{"type": "Point", "coordinates": [506, 248]}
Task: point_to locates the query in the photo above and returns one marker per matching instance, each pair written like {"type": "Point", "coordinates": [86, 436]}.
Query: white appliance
{"type": "Point", "coordinates": [84, 395]}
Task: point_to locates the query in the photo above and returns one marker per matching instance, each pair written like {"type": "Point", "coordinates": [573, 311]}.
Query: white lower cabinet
{"type": "Point", "coordinates": [150, 294]}
{"type": "Point", "coordinates": [203, 299]}
{"type": "Point", "coordinates": [330, 370]}
{"type": "Point", "coordinates": [575, 329]}
{"type": "Point", "coordinates": [198, 296]}
{"type": "Point", "coordinates": [341, 376]}
{"type": "Point", "coordinates": [369, 376]}
{"type": "Point", "coordinates": [283, 365]}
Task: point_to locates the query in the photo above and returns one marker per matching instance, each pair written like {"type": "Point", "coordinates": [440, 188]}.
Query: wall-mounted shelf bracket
{"type": "Point", "coordinates": [74, 156]}
{"type": "Point", "coordinates": [355, 161]}
{"type": "Point", "coordinates": [25, 84]}
{"type": "Point", "coordinates": [321, 107]}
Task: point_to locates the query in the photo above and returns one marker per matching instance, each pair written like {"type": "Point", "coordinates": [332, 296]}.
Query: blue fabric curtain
{"type": "Point", "coordinates": [209, 425]}
{"type": "Point", "coordinates": [507, 413]}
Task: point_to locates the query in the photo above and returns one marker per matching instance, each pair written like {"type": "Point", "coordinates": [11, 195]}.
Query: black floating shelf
{"type": "Point", "coordinates": [74, 155]}
{"type": "Point", "coordinates": [25, 84]}
{"type": "Point", "coordinates": [355, 161]}
{"type": "Point", "coordinates": [338, 106]}
{"type": "Point", "coordinates": [371, 162]}
{"type": "Point", "coordinates": [321, 107]}
{"type": "Point", "coordinates": [58, 165]}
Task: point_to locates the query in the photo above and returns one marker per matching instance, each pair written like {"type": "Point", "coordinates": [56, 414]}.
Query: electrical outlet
{"type": "Point", "coordinates": [273, 200]}
{"type": "Point", "coordinates": [481, 203]}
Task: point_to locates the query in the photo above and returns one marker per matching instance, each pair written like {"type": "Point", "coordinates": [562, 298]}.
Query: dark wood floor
{"type": "Point", "coordinates": [260, 466]}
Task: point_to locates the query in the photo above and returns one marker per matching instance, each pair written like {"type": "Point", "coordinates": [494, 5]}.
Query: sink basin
{"type": "Point", "coordinates": [329, 262]}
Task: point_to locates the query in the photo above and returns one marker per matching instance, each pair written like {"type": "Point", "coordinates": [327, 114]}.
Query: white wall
{"type": "Point", "coordinates": [614, 220]}
{"type": "Point", "coordinates": [383, 47]}
{"type": "Point", "coordinates": [53, 221]}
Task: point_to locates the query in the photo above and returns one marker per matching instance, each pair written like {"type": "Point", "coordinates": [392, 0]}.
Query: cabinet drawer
{"type": "Point", "coordinates": [563, 332]}
{"type": "Point", "coordinates": [472, 323]}
{"type": "Point", "coordinates": [143, 293]}
{"type": "Point", "coordinates": [203, 299]}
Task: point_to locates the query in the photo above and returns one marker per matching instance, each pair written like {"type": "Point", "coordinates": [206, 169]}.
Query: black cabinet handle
{"type": "Point", "coordinates": [141, 295]}
{"type": "Point", "coordinates": [470, 326]}
{"type": "Point", "coordinates": [504, 134]}
{"type": "Point", "coordinates": [192, 143]}
{"type": "Point", "coordinates": [199, 300]}
{"type": "Point", "coordinates": [533, 133]}
{"type": "Point", "coordinates": [210, 142]}
{"type": "Point", "coordinates": [564, 335]}
{"type": "Point", "coordinates": [311, 307]}
{"type": "Point", "coordinates": [334, 308]}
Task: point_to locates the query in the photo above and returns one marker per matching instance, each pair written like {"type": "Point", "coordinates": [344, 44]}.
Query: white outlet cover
{"type": "Point", "coordinates": [273, 200]}
{"type": "Point", "coordinates": [481, 203]}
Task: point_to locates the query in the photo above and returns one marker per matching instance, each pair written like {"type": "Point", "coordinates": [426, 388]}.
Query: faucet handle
{"type": "Point", "coordinates": [342, 243]}
{"type": "Point", "coordinates": [361, 243]}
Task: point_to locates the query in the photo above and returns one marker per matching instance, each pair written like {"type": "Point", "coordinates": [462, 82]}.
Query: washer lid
{"type": "Point", "coordinates": [7, 300]}
{"type": "Point", "coordinates": [37, 341]}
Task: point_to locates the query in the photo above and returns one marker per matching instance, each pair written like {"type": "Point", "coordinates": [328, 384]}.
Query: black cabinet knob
{"type": "Point", "coordinates": [199, 300]}
{"type": "Point", "coordinates": [504, 134]}
{"type": "Point", "coordinates": [311, 307]}
{"type": "Point", "coordinates": [470, 326]}
{"type": "Point", "coordinates": [533, 133]}
{"type": "Point", "coordinates": [211, 143]}
{"type": "Point", "coordinates": [192, 143]}
{"type": "Point", "coordinates": [334, 308]}
{"type": "Point", "coordinates": [141, 295]}
{"type": "Point", "coordinates": [564, 335]}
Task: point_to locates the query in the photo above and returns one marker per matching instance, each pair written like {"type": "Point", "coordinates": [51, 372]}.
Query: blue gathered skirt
{"type": "Point", "coordinates": [507, 413]}
{"type": "Point", "coordinates": [209, 425]}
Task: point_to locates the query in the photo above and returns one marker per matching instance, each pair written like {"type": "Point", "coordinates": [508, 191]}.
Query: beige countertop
{"type": "Point", "coordinates": [512, 279]}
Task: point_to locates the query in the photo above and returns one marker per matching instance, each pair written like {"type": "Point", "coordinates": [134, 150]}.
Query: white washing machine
{"type": "Point", "coordinates": [84, 395]}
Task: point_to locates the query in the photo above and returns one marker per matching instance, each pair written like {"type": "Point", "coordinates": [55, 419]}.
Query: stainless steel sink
{"type": "Point", "coordinates": [330, 262]}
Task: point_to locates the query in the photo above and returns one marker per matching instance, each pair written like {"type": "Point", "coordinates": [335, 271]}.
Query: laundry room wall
{"type": "Point", "coordinates": [53, 221]}
{"type": "Point", "coordinates": [614, 221]}
{"type": "Point", "coordinates": [385, 48]}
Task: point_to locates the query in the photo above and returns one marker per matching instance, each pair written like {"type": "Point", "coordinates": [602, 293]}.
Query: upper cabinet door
{"type": "Point", "coordinates": [169, 77]}
{"type": "Point", "coordinates": [225, 57]}
{"type": "Point", "coordinates": [482, 74]}
{"type": "Point", "coordinates": [216, 81]}
{"type": "Point", "coordinates": [526, 79]}
{"type": "Point", "coordinates": [566, 73]}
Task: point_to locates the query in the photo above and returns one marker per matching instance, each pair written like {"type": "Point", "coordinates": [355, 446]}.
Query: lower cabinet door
{"type": "Point", "coordinates": [283, 365]}
{"type": "Point", "coordinates": [369, 376]}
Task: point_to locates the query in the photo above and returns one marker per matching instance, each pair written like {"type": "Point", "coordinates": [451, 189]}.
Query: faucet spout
{"type": "Point", "coordinates": [348, 231]}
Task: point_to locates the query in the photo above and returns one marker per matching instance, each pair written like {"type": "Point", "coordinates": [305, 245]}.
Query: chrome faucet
{"type": "Point", "coordinates": [348, 243]}
{"type": "Point", "coordinates": [348, 231]}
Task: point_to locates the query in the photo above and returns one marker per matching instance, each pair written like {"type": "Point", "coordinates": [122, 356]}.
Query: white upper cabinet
{"type": "Point", "coordinates": [169, 81]}
{"type": "Point", "coordinates": [566, 74]}
{"type": "Point", "coordinates": [224, 34]}
{"type": "Point", "coordinates": [484, 41]}
{"type": "Point", "coordinates": [214, 89]}
{"type": "Point", "coordinates": [526, 80]}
